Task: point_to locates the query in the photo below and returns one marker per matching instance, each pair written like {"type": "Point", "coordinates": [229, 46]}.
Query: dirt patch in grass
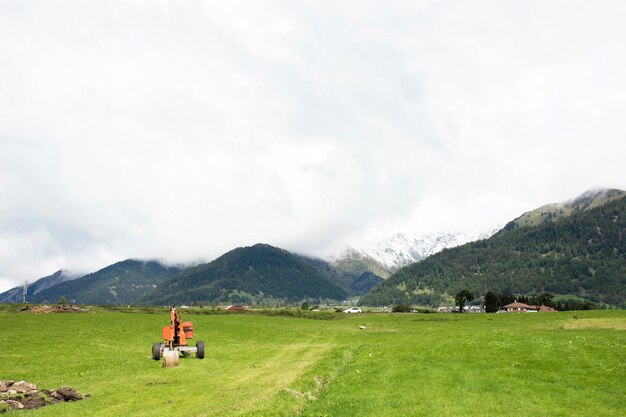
{"type": "Point", "coordinates": [24, 395]}
{"type": "Point", "coordinates": [593, 323]}
{"type": "Point", "coordinates": [44, 309]}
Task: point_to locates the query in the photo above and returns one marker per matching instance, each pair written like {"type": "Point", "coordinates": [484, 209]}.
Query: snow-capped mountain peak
{"type": "Point", "coordinates": [402, 249]}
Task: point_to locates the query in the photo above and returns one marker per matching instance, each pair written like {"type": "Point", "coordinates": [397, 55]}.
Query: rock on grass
{"type": "Point", "coordinates": [23, 395]}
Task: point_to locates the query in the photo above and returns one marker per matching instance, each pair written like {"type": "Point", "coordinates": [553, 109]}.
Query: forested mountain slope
{"type": "Point", "coordinates": [121, 283]}
{"type": "Point", "coordinates": [246, 275]}
{"type": "Point", "coordinates": [582, 254]}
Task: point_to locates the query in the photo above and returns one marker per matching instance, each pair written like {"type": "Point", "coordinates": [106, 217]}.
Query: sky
{"type": "Point", "coordinates": [178, 130]}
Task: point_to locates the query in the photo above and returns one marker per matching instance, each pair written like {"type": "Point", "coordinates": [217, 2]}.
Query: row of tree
{"type": "Point", "coordinates": [494, 301]}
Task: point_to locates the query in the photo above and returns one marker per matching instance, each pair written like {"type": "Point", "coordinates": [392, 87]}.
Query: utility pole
{"type": "Point", "coordinates": [24, 292]}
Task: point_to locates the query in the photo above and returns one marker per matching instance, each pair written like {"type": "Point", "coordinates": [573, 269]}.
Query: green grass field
{"type": "Point", "coordinates": [562, 364]}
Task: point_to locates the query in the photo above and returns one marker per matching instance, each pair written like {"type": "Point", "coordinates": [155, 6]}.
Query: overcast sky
{"type": "Point", "coordinates": [180, 130]}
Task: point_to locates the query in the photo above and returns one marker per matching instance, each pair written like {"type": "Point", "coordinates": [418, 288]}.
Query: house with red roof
{"type": "Point", "coordinates": [518, 307]}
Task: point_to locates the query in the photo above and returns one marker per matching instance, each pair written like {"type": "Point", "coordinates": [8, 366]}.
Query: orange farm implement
{"type": "Point", "coordinates": [175, 341]}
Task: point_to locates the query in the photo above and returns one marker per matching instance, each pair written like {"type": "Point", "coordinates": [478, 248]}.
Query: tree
{"type": "Point", "coordinates": [401, 308]}
{"type": "Point", "coordinates": [491, 302]}
{"type": "Point", "coordinates": [462, 297]}
{"type": "Point", "coordinates": [62, 300]}
{"type": "Point", "coordinates": [545, 299]}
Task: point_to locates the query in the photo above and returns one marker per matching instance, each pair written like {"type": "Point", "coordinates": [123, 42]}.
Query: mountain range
{"type": "Point", "coordinates": [385, 256]}
{"type": "Point", "coordinates": [121, 283]}
{"type": "Point", "coordinates": [257, 275]}
{"type": "Point", "coordinates": [575, 248]}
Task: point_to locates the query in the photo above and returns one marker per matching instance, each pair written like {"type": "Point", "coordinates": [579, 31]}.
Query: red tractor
{"type": "Point", "coordinates": [175, 341]}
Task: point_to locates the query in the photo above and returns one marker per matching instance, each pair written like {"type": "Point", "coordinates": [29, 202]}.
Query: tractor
{"type": "Point", "coordinates": [175, 341]}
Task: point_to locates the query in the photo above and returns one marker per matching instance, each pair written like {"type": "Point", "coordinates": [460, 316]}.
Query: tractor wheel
{"type": "Point", "coordinates": [200, 351]}
{"type": "Point", "coordinates": [156, 351]}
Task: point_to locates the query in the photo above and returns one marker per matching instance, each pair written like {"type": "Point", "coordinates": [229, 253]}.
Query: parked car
{"type": "Point", "coordinates": [352, 310]}
{"type": "Point", "coordinates": [235, 307]}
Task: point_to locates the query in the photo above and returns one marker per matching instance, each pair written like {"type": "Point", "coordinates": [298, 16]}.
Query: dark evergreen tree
{"type": "Point", "coordinates": [544, 298]}
{"type": "Point", "coordinates": [491, 302]}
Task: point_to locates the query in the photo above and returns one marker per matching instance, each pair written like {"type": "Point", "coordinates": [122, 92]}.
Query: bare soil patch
{"type": "Point", "coordinates": [595, 324]}
{"type": "Point", "coordinates": [44, 309]}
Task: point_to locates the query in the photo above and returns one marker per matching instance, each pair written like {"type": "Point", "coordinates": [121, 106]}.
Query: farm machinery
{"type": "Point", "coordinates": [175, 341]}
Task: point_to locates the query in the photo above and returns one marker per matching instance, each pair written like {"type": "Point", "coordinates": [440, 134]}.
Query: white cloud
{"type": "Point", "coordinates": [181, 130]}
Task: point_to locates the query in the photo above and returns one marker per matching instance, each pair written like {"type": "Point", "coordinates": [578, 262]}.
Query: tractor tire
{"type": "Point", "coordinates": [156, 351]}
{"type": "Point", "coordinates": [200, 351]}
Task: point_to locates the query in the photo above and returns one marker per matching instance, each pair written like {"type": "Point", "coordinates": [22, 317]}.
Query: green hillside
{"type": "Point", "coordinates": [121, 283]}
{"type": "Point", "coordinates": [355, 282]}
{"type": "Point", "coordinates": [553, 212]}
{"type": "Point", "coordinates": [247, 275]}
{"type": "Point", "coordinates": [355, 264]}
{"type": "Point", "coordinates": [364, 282]}
{"type": "Point", "coordinates": [583, 254]}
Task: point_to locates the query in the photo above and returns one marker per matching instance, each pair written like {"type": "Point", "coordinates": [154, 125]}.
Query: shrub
{"type": "Point", "coordinates": [401, 308]}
